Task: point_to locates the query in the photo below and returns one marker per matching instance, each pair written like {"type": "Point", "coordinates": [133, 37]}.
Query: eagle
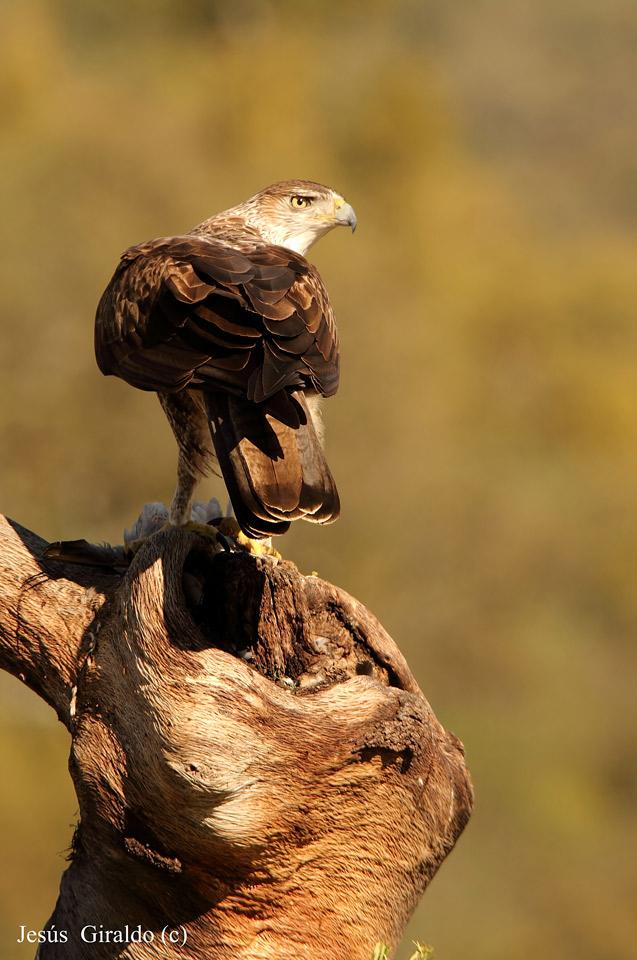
{"type": "Point", "coordinates": [233, 329]}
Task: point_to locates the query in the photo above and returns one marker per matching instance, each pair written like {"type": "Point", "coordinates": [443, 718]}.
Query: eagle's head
{"type": "Point", "coordinates": [296, 213]}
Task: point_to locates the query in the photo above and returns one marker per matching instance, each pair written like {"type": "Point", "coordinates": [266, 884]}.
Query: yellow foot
{"type": "Point", "coordinates": [229, 527]}
{"type": "Point", "coordinates": [201, 529]}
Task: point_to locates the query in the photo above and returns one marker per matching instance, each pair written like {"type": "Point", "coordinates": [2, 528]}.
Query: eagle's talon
{"type": "Point", "coordinates": [230, 529]}
{"type": "Point", "coordinates": [224, 532]}
{"type": "Point", "coordinates": [202, 530]}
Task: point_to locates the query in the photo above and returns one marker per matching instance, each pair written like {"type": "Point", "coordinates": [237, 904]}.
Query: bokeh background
{"type": "Point", "coordinates": [484, 435]}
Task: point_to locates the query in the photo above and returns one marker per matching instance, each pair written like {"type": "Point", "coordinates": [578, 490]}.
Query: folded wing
{"type": "Point", "coordinates": [252, 331]}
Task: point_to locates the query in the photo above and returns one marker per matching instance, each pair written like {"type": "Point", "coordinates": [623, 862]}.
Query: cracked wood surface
{"type": "Point", "coordinates": [254, 761]}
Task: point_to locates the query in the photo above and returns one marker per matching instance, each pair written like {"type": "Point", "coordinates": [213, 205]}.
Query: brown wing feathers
{"type": "Point", "coordinates": [250, 331]}
{"type": "Point", "coordinates": [259, 323]}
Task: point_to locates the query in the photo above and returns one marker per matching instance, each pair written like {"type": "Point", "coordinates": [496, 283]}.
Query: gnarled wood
{"type": "Point", "coordinates": [255, 765]}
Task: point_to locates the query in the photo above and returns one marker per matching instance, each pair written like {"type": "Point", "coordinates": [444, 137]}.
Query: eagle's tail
{"type": "Point", "coordinates": [272, 462]}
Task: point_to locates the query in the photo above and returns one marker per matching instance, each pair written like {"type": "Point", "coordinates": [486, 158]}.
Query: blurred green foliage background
{"type": "Point", "coordinates": [484, 435]}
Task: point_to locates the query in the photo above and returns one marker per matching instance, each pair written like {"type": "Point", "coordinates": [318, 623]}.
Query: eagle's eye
{"type": "Point", "coordinates": [298, 202]}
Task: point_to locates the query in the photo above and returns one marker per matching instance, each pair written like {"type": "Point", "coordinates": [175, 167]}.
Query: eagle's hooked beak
{"type": "Point", "coordinates": [344, 213]}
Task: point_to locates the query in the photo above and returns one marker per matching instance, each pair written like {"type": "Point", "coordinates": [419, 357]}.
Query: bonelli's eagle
{"type": "Point", "coordinates": [233, 328]}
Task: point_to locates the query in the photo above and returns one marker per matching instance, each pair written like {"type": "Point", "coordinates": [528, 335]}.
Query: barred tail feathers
{"type": "Point", "coordinates": [272, 462]}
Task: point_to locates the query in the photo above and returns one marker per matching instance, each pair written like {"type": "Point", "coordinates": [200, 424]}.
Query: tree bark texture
{"type": "Point", "coordinates": [258, 773]}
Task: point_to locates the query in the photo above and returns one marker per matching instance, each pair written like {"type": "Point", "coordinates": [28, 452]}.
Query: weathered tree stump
{"type": "Point", "coordinates": [257, 771]}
